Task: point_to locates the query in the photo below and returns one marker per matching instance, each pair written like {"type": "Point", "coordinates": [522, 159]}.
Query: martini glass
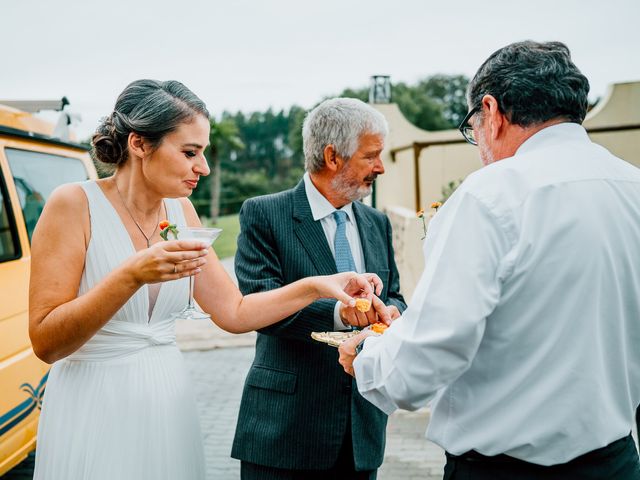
{"type": "Point", "coordinates": [207, 236]}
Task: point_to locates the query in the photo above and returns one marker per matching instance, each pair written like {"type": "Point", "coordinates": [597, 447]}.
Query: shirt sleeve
{"type": "Point", "coordinates": [437, 337]}
{"type": "Point", "coordinates": [338, 324]}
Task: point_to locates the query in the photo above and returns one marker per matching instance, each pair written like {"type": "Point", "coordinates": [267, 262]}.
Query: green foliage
{"type": "Point", "coordinates": [434, 103]}
{"type": "Point", "coordinates": [225, 136]}
{"type": "Point", "coordinates": [238, 186]}
{"type": "Point", "coordinates": [265, 156]}
{"type": "Point", "coordinates": [226, 244]}
{"type": "Point", "coordinates": [448, 189]}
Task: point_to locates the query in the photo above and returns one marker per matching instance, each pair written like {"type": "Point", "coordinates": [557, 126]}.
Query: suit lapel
{"type": "Point", "coordinates": [311, 234]}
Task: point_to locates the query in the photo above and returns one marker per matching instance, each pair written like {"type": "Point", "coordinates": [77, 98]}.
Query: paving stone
{"type": "Point", "coordinates": [219, 377]}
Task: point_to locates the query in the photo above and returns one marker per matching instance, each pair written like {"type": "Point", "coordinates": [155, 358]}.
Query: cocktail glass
{"type": "Point", "coordinates": [207, 236]}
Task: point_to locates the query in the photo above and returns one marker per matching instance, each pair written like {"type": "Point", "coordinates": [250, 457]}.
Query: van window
{"type": "Point", "coordinates": [36, 175]}
{"type": "Point", "coordinates": [9, 244]}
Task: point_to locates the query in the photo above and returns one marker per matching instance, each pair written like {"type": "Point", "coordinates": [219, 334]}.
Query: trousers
{"type": "Point", "coordinates": [616, 461]}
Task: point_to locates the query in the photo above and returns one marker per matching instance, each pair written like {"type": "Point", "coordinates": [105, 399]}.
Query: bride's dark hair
{"type": "Point", "coordinates": [149, 108]}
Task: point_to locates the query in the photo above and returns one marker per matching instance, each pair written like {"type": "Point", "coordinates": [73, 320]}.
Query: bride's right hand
{"type": "Point", "coordinates": [165, 261]}
{"type": "Point", "coordinates": [348, 286]}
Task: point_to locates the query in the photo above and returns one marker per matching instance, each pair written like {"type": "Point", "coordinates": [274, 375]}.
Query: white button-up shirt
{"type": "Point", "coordinates": [322, 210]}
{"type": "Point", "coordinates": [525, 325]}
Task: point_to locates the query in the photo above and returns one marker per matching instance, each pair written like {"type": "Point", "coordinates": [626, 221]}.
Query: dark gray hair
{"type": "Point", "coordinates": [339, 122]}
{"type": "Point", "coordinates": [533, 83]}
{"type": "Point", "coordinates": [149, 108]}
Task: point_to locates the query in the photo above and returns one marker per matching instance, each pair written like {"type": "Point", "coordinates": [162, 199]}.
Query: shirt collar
{"type": "Point", "coordinates": [561, 132]}
{"type": "Point", "coordinates": [320, 206]}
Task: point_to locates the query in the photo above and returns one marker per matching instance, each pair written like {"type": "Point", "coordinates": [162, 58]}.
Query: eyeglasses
{"type": "Point", "coordinates": [467, 130]}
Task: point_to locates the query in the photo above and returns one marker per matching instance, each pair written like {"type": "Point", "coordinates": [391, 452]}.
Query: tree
{"type": "Point", "coordinates": [256, 153]}
{"type": "Point", "coordinates": [449, 92]}
{"type": "Point", "coordinates": [434, 103]}
{"type": "Point", "coordinates": [224, 135]}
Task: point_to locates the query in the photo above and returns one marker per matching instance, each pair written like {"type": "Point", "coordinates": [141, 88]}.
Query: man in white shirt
{"type": "Point", "coordinates": [301, 416]}
{"type": "Point", "coordinates": [525, 325]}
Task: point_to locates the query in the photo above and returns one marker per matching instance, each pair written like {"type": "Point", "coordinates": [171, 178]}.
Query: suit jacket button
{"type": "Point", "coordinates": [346, 388]}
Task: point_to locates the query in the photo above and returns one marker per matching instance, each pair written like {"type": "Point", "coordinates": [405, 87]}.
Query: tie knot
{"type": "Point", "coordinates": [340, 216]}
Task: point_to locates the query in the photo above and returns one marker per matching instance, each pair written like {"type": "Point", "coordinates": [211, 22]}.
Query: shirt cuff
{"type": "Point", "coordinates": [338, 324]}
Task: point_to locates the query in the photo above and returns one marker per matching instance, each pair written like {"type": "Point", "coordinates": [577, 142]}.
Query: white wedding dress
{"type": "Point", "coordinates": [122, 406]}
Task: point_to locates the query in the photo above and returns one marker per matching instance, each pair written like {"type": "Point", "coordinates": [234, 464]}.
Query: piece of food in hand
{"type": "Point", "coordinates": [379, 327]}
{"type": "Point", "coordinates": [363, 305]}
{"type": "Point", "coordinates": [166, 227]}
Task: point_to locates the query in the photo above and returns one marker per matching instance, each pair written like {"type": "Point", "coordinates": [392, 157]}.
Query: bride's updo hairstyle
{"type": "Point", "coordinates": [149, 108]}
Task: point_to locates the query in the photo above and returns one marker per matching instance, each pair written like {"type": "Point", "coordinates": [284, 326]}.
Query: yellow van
{"type": "Point", "coordinates": [32, 163]}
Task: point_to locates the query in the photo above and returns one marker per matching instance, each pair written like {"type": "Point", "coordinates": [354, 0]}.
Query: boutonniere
{"type": "Point", "coordinates": [166, 227]}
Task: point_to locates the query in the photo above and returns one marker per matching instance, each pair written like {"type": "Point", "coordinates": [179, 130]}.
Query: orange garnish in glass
{"type": "Point", "coordinates": [166, 227]}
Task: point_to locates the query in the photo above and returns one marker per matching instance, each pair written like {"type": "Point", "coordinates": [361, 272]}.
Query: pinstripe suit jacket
{"type": "Point", "coordinates": [297, 399]}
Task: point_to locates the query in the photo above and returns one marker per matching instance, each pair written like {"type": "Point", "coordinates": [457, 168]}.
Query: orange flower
{"type": "Point", "coordinates": [420, 213]}
{"type": "Point", "coordinates": [436, 205]}
{"type": "Point", "coordinates": [163, 224]}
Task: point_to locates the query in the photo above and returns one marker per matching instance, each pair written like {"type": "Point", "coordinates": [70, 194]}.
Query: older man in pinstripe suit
{"type": "Point", "coordinates": [301, 416]}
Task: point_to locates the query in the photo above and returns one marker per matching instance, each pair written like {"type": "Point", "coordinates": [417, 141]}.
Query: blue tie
{"type": "Point", "coordinates": [344, 258]}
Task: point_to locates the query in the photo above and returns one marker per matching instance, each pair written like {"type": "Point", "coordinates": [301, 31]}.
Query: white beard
{"type": "Point", "coordinates": [348, 189]}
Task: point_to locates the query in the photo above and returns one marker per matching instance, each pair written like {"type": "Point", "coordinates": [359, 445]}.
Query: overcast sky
{"type": "Point", "coordinates": [249, 55]}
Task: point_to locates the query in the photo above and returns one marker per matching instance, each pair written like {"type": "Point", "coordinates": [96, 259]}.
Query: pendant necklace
{"type": "Point", "coordinates": [148, 239]}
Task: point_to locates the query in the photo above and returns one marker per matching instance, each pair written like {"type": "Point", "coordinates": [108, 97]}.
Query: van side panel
{"type": "Point", "coordinates": [14, 297]}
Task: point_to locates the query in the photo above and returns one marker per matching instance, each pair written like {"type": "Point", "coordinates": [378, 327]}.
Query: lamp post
{"type": "Point", "coordinates": [380, 89]}
{"type": "Point", "coordinates": [379, 93]}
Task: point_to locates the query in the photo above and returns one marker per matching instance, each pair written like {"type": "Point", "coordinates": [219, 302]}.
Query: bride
{"type": "Point", "coordinates": [104, 286]}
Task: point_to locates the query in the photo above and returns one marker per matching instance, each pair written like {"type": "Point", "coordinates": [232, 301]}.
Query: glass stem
{"type": "Point", "coordinates": [191, 285]}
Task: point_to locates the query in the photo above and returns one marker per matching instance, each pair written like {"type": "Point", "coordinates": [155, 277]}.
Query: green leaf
{"type": "Point", "coordinates": [173, 228]}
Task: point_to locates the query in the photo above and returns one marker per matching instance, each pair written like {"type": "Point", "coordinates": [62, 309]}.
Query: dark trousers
{"type": "Point", "coordinates": [617, 461]}
{"type": "Point", "coordinates": [344, 469]}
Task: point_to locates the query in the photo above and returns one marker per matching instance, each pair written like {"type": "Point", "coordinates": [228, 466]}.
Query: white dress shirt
{"type": "Point", "coordinates": [525, 325]}
{"type": "Point", "coordinates": [322, 210]}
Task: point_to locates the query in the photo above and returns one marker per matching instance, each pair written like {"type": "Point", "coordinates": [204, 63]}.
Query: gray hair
{"type": "Point", "coordinates": [149, 108]}
{"type": "Point", "coordinates": [339, 122]}
{"type": "Point", "coordinates": [533, 83]}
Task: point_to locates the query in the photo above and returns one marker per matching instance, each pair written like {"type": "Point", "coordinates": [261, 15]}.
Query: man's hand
{"type": "Point", "coordinates": [348, 351]}
{"type": "Point", "coordinates": [393, 313]}
{"type": "Point", "coordinates": [378, 312]}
